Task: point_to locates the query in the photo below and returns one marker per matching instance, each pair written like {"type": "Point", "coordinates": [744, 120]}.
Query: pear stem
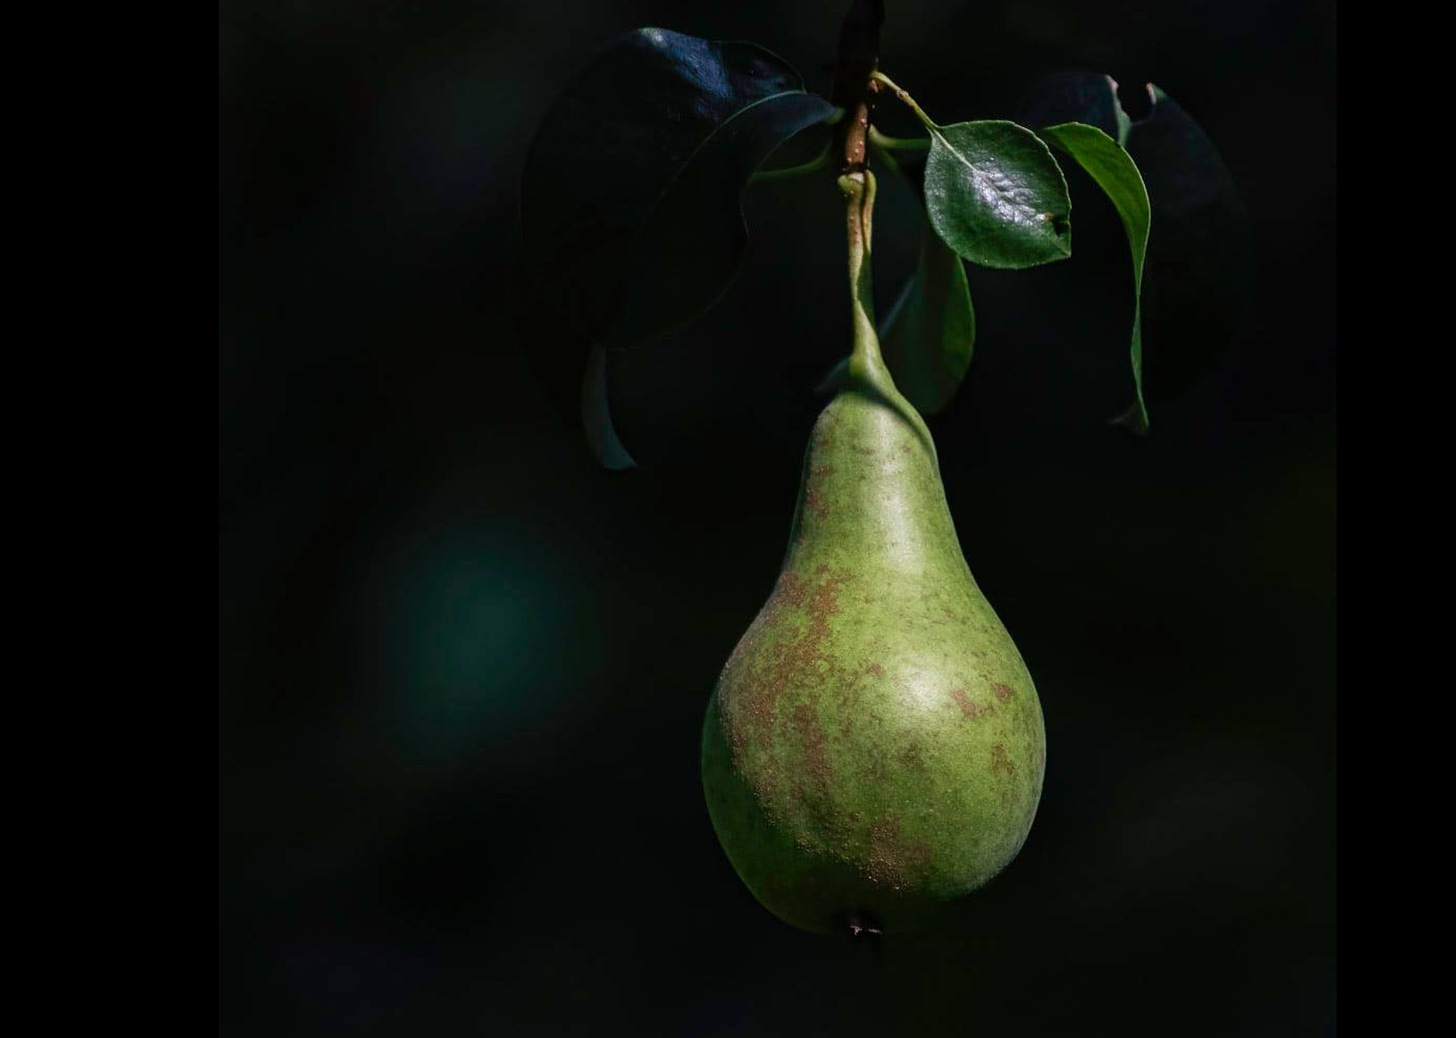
{"type": "Point", "coordinates": [866, 369]}
{"type": "Point", "coordinates": [865, 361]}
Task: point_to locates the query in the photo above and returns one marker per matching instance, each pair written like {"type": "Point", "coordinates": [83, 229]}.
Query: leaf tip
{"type": "Point", "coordinates": [1123, 117]}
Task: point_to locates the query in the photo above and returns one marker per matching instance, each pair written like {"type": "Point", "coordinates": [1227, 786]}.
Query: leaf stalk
{"type": "Point", "coordinates": [901, 93]}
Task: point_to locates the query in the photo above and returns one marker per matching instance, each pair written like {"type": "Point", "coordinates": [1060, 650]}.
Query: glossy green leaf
{"type": "Point", "coordinates": [996, 196]}
{"type": "Point", "coordinates": [929, 332]}
{"type": "Point", "coordinates": [630, 199]}
{"type": "Point", "coordinates": [1116, 173]}
{"type": "Point", "coordinates": [928, 335]}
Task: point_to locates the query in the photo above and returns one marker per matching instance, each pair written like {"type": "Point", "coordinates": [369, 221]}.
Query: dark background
{"type": "Point", "coordinates": [463, 669]}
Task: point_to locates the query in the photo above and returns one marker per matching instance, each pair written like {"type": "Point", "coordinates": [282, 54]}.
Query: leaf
{"type": "Point", "coordinates": [1198, 277]}
{"type": "Point", "coordinates": [630, 199]}
{"type": "Point", "coordinates": [596, 415]}
{"type": "Point", "coordinates": [1201, 267]}
{"type": "Point", "coordinates": [996, 196]}
{"type": "Point", "coordinates": [928, 335]}
{"type": "Point", "coordinates": [1120, 117]}
{"type": "Point", "coordinates": [1116, 173]}
{"type": "Point", "coordinates": [1075, 97]}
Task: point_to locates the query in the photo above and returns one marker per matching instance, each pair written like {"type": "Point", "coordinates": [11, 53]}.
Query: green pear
{"type": "Point", "coordinates": [874, 748]}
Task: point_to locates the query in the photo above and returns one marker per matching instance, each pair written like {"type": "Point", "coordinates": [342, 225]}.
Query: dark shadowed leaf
{"type": "Point", "coordinates": [928, 335]}
{"type": "Point", "coordinates": [996, 196]}
{"type": "Point", "coordinates": [1115, 172]}
{"type": "Point", "coordinates": [1198, 297]}
{"type": "Point", "coordinates": [596, 415]}
{"type": "Point", "coordinates": [1198, 282]}
{"type": "Point", "coordinates": [1075, 97]}
{"type": "Point", "coordinates": [630, 200]}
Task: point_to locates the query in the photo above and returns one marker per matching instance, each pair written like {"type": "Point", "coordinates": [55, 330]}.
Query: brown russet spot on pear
{"type": "Point", "coordinates": [969, 709]}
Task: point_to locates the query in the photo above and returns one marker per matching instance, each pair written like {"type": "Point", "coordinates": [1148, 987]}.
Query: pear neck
{"type": "Point", "coordinates": [866, 365]}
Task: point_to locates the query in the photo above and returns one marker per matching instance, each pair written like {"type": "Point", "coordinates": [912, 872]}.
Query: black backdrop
{"type": "Point", "coordinates": [463, 669]}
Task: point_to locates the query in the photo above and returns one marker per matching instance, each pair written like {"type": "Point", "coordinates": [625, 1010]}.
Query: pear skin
{"type": "Point", "coordinates": [874, 748]}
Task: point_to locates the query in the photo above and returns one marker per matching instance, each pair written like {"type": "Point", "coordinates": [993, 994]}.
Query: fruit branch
{"type": "Point", "coordinates": [854, 85]}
